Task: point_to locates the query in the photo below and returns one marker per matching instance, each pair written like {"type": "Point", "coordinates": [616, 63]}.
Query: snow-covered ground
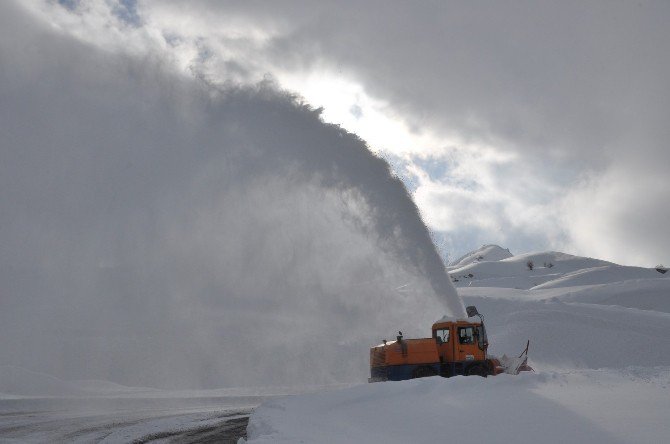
{"type": "Point", "coordinates": [595, 406]}
{"type": "Point", "coordinates": [600, 344]}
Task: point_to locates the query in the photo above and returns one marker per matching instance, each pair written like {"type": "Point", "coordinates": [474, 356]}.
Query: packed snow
{"type": "Point", "coordinates": [599, 343]}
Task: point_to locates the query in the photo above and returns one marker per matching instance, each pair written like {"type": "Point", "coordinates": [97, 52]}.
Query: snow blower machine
{"type": "Point", "coordinates": [457, 347]}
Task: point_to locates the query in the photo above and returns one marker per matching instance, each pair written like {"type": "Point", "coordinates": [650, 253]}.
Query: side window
{"type": "Point", "coordinates": [442, 335]}
{"type": "Point", "coordinates": [465, 335]}
{"type": "Point", "coordinates": [481, 337]}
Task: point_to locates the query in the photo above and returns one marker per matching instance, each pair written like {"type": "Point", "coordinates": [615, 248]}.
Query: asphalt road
{"type": "Point", "coordinates": [227, 432]}
{"type": "Point", "coordinates": [101, 420]}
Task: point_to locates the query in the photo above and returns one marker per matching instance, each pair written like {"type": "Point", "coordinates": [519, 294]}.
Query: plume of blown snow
{"type": "Point", "coordinates": [161, 232]}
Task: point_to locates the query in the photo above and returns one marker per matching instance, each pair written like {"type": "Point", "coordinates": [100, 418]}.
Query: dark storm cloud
{"type": "Point", "coordinates": [157, 230]}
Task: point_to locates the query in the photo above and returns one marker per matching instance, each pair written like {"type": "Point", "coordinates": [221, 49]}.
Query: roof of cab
{"type": "Point", "coordinates": [447, 320]}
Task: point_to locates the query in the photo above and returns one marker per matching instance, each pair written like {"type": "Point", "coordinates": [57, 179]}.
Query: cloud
{"type": "Point", "coordinates": [620, 213]}
{"type": "Point", "coordinates": [572, 89]}
{"type": "Point", "coordinates": [160, 230]}
{"type": "Point", "coordinates": [484, 204]}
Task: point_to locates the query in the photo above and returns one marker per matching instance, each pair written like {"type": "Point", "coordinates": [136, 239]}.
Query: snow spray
{"type": "Point", "coordinates": [158, 231]}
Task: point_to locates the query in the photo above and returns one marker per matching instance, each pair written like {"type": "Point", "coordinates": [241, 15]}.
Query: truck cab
{"type": "Point", "coordinates": [461, 344]}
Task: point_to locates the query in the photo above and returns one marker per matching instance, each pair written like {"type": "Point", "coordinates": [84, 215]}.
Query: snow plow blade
{"type": "Point", "coordinates": [514, 366]}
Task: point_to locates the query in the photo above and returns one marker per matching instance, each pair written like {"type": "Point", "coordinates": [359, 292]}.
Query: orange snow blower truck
{"type": "Point", "coordinates": [457, 347]}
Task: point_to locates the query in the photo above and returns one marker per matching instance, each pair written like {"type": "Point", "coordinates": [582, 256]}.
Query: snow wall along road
{"type": "Point", "coordinates": [158, 231]}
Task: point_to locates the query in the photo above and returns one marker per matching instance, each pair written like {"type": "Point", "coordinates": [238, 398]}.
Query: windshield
{"type": "Point", "coordinates": [466, 335]}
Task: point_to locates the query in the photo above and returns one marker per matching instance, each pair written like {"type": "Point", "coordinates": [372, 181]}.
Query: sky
{"type": "Point", "coordinates": [203, 187]}
{"type": "Point", "coordinates": [533, 125]}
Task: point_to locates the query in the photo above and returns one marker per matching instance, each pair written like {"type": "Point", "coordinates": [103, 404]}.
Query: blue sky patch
{"type": "Point", "coordinates": [70, 5]}
{"type": "Point", "coordinates": [126, 11]}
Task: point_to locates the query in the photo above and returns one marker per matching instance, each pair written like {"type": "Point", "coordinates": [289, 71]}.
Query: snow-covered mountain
{"type": "Point", "coordinates": [487, 253]}
{"type": "Point", "coordinates": [548, 269]}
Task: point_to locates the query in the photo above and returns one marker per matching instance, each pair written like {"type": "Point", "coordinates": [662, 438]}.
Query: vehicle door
{"type": "Point", "coordinates": [445, 343]}
{"type": "Point", "coordinates": [465, 343]}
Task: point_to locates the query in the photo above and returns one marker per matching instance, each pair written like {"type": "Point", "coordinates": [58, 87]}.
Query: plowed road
{"type": "Point", "coordinates": [121, 420]}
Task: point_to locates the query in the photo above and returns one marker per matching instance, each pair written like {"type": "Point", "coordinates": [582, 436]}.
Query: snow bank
{"type": "Point", "coordinates": [545, 407]}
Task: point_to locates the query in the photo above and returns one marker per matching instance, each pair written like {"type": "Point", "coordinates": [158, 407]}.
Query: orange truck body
{"type": "Point", "coordinates": [456, 347]}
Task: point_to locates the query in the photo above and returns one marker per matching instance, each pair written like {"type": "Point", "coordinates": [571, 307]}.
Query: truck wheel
{"type": "Point", "coordinates": [423, 372]}
{"type": "Point", "coordinates": [477, 370]}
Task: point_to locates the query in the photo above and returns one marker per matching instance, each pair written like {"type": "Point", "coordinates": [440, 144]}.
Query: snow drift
{"type": "Point", "coordinates": [595, 407]}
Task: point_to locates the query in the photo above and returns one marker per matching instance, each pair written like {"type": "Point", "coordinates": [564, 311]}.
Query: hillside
{"type": "Point", "coordinates": [549, 269]}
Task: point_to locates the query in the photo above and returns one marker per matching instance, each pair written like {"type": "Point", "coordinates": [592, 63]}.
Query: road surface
{"type": "Point", "coordinates": [125, 420]}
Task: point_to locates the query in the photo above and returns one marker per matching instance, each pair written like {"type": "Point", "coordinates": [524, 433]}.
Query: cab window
{"type": "Point", "coordinates": [480, 333]}
{"type": "Point", "coordinates": [466, 335]}
{"type": "Point", "coordinates": [442, 335]}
